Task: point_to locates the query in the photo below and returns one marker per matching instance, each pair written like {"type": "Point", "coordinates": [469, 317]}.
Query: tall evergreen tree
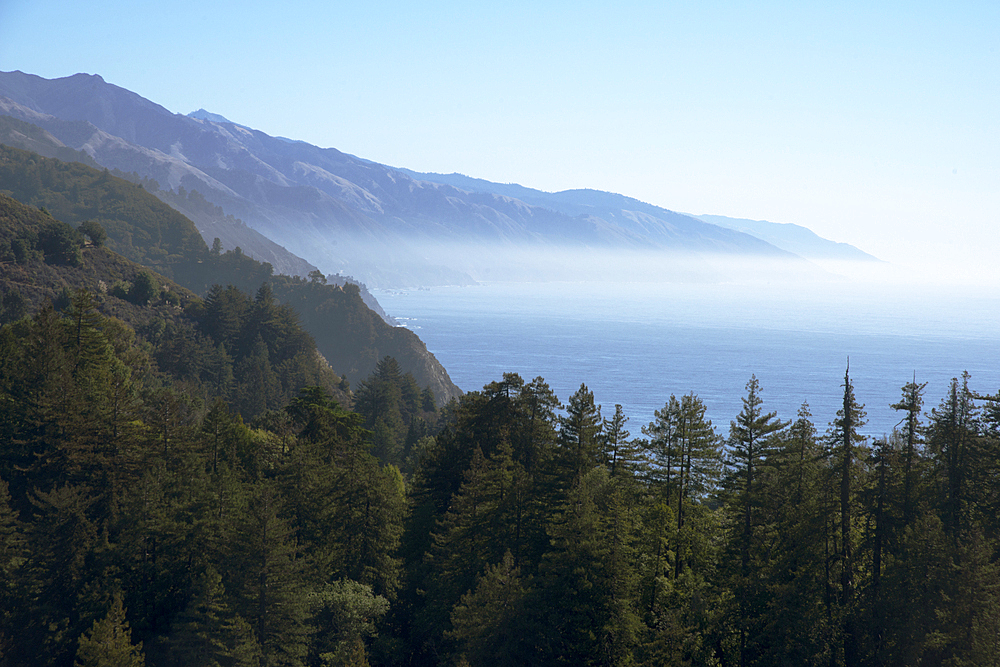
{"type": "Point", "coordinates": [489, 623]}
{"type": "Point", "coordinates": [847, 444]}
{"type": "Point", "coordinates": [751, 440]}
{"type": "Point", "coordinates": [910, 404]}
{"type": "Point", "coordinates": [109, 641]}
{"type": "Point", "coordinates": [585, 603]}
{"type": "Point", "coordinates": [794, 629]}
{"type": "Point", "coordinates": [622, 456]}
{"type": "Point", "coordinates": [952, 437]}
{"type": "Point", "coordinates": [207, 633]}
{"type": "Point", "coordinates": [12, 556]}
{"type": "Point", "coordinates": [62, 539]}
{"type": "Point", "coordinates": [698, 467]}
{"type": "Point", "coordinates": [265, 576]}
{"type": "Point", "coordinates": [580, 434]}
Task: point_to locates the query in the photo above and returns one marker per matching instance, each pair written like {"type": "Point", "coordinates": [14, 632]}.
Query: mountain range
{"type": "Point", "coordinates": [386, 226]}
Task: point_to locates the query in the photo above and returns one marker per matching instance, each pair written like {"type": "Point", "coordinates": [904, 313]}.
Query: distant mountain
{"type": "Point", "coordinates": [384, 225]}
{"type": "Point", "coordinates": [24, 135]}
{"type": "Point", "coordinates": [638, 219]}
{"type": "Point", "coordinates": [211, 220]}
{"type": "Point", "coordinates": [793, 238]}
{"type": "Point", "coordinates": [201, 114]}
{"type": "Point", "coordinates": [144, 230]}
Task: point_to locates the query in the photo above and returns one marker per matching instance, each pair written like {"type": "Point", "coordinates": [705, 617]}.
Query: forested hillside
{"type": "Point", "coordinates": [147, 231]}
{"type": "Point", "coordinates": [140, 429]}
{"type": "Point", "coordinates": [144, 521]}
{"type": "Point", "coordinates": [183, 481]}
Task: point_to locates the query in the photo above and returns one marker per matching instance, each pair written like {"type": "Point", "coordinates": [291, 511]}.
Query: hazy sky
{"type": "Point", "coordinates": [877, 124]}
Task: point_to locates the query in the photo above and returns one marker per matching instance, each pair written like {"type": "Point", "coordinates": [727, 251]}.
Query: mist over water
{"type": "Point", "coordinates": [638, 343]}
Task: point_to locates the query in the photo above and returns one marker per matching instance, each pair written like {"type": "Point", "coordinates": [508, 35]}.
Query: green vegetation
{"type": "Point", "coordinates": [143, 519]}
{"type": "Point", "coordinates": [183, 481]}
{"type": "Point", "coordinates": [125, 218]}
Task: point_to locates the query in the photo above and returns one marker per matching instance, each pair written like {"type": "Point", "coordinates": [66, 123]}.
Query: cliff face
{"type": "Point", "coordinates": [354, 339]}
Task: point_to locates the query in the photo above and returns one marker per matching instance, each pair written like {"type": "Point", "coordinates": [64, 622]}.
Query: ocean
{"type": "Point", "coordinates": [638, 343]}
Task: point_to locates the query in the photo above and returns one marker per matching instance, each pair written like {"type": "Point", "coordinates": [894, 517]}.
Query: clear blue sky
{"type": "Point", "coordinates": [877, 124]}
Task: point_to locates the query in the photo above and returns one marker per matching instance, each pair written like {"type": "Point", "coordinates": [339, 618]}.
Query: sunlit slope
{"type": "Point", "coordinates": [344, 213]}
{"type": "Point", "coordinates": [145, 230]}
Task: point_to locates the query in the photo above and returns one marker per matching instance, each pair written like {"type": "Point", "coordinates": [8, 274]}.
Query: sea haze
{"type": "Point", "coordinates": [638, 343]}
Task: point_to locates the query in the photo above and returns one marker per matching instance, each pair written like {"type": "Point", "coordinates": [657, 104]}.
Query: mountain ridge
{"type": "Point", "coordinates": [794, 238]}
{"type": "Point", "coordinates": [388, 226]}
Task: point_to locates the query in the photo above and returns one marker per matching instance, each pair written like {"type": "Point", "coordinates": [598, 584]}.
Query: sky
{"type": "Point", "coordinates": [875, 124]}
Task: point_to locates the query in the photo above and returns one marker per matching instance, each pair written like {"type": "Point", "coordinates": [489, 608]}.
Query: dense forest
{"type": "Point", "coordinates": [185, 481]}
{"type": "Point", "coordinates": [143, 520]}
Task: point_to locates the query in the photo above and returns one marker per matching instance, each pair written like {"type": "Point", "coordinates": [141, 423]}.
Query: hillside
{"type": "Point", "coordinates": [43, 259]}
{"type": "Point", "coordinates": [212, 222]}
{"type": "Point", "coordinates": [793, 238]}
{"type": "Point", "coordinates": [345, 214]}
{"type": "Point", "coordinates": [145, 230]}
{"type": "Point", "coordinates": [166, 500]}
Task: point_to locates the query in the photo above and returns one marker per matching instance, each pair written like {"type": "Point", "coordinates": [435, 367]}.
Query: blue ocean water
{"type": "Point", "coordinates": [637, 343]}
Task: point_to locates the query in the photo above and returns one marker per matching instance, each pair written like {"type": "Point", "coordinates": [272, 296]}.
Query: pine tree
{"type": "Point", "coordinates": [580, 434]}
{"type": "Point", "coordinates": [470, 536]}
{"type": "Point", "coordinates": [952, 438]}
{"type": "Point", "coordinates": [207, 633]}
{"type": "Point", "coordinates": [109, 642]}
{"type": "Point", "coordinates": [847, 444]}
{"type": "Point", "coordinates": [794, 627]}
{"type": "Point", "coordinates": [62, 539]}
{"type": "Point", "coordinates": [662, 447]}
{"type": "Point", "coordinates": [534, 439]}
{"type": "Point", "coordinates": [265, 577]}
{"type": "Point", "coordinates": [489, 622]}
{"type": "Point", "coordinates": [752, 436]}
{"type": "Point", "coordinates": [698, 467]}
{"type": "Point", "coordinates": [910, 404]}
{"type": "Point", "coordinates": [622, 456]}
{"type": "Point", "coordinates": [198, 637]}
{"type": "Point", "coordinates": [584, 605]}
{"type": "Point", "coordinates": [379, 400]}
{"type": "Point", "coordinates": [12, 556]}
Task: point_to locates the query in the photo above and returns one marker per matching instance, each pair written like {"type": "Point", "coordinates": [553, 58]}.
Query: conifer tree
{"type": "Point", "coordinates": [663, 448]}
{"type": "Point", "coordinates": [265, 577]}
{"type": "Point", "coordinates": [465, 542]}
{"type": "Point", "coordinates": [207, 633]}
{"type": "Point", "coordinates": [534, 439]}
{"type": "Point", "coordinates": [751, 439]}
{"type": "Point", "coordinates": [198, 631]}
{"type": "Point", "coordinates": [952, 439]}
{"type": "Point", "coordinates": [489, 622]}
{"type": "Point", "coordinates": [584, 603]}
{"type": "Point", "coordinates": [109, 642]}
{"type": "Point", "coordinates": [795, 629]}
{"type": "Point", "coordinates": [61, 540]}
{"type": "Point", "coordinates": [346, 615]}
{"type": "Point", "coordinates": [579, 434]}
{"type": "Point", "coordinates": [698, 467]}
{"type": "Point", "coordinates": [622, 456]}
{"type": "Point", "coordinates": [847, 442]}
{"type": "Point", "coordinates": [910, 404]}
